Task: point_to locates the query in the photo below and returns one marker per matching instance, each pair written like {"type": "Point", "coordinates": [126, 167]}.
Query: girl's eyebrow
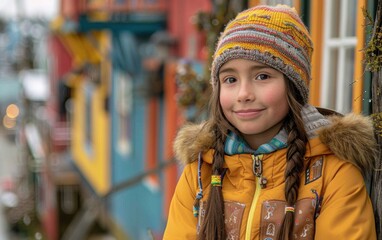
{"type": "Point", "coordinates": [256, 67]}
{"type": "Point", "coordinates": [226, 70]}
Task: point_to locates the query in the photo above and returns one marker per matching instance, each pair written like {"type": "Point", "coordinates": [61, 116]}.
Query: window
{"type": "Point", "coordinates": [124, 102]}
{"type": "Point", "coordinates": [88, 89]}
{"type": "Point", "coordinates": [338, 55]}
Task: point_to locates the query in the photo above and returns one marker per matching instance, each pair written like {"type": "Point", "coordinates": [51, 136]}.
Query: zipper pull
{"type": "Point", "coordinates": [257, 165]}
{"type": "Point", "coordinates": [258, 170]}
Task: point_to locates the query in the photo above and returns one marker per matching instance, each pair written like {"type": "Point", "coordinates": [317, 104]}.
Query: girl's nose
{"type": "Point", "coordinates": [246, 92]}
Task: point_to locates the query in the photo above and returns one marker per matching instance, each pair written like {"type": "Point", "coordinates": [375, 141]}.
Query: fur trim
{"type": "Point", "coordinates": [192, 139]}
{"type": "Point", "coordinates": [351, 138]}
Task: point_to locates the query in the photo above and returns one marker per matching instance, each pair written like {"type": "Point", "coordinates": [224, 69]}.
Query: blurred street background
{"type": "Point", "coordinates": [92, 93]}
{"type": "Point", "coordinates": [9, 162]}
{"type": "Point", "coordinates": [23, 27]}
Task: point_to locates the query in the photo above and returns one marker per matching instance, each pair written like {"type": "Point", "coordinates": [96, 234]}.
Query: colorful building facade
{"type": "Point", "coordinates": [118, 63]}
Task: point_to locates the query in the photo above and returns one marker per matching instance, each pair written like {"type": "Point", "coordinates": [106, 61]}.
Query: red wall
{"type": "Point", "coordinates": [190, 42]}
{"type": "Point", "coordinates": [61, 59]}
{"type": "Point", "coordinates": [61, 63]}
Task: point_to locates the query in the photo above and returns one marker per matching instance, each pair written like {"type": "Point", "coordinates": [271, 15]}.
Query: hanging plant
{"type": "Point", "coordinates": [373, 49]}
{"type": "Point", "coordinates": [190, 86]}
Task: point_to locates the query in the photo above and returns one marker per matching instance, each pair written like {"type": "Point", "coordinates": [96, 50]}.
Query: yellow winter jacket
{"type": "Point", "coordinates": [332, 201]}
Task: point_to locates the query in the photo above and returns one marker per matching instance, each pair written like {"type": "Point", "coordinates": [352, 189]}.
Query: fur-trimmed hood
{"type": "Point", "coordinates": [350, 137]}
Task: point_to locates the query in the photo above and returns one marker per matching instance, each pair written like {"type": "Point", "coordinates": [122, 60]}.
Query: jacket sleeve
{"type": "Point", "coordinates": [181, 223]}
{"type": "Point", "coordinates": [346, 211]}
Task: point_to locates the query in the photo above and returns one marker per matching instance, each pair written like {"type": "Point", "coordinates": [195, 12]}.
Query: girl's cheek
{"type": "Point", "coordinates": [273, 95]}
{"type": "Point", "coordinates": [225, 99]}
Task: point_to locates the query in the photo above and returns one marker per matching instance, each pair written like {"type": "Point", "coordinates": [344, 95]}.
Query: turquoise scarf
{"type": "Point", "coordinates": [312, 119]}
{"type": "Point", "coordinates": [234, 144]}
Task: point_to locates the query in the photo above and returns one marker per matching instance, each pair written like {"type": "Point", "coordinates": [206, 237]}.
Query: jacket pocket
{"type": "Point", "coordinates": [273, 213]}
{"type": "Point", "coordinates": [233, 212]}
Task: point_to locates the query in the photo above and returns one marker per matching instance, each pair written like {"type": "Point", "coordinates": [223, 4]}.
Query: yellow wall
{"type": "Point", "coordinates": [95, 165]}
{"type": "Point", "coordinates": [316, 31]}
{"type": "Point", "coordinates": [359, 58]}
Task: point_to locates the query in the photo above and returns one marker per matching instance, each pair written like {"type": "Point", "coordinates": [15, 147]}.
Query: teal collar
{"type": "Point", "coordinates": [234, 144]}
{"type": "Point", "coordinates": [312, 119]}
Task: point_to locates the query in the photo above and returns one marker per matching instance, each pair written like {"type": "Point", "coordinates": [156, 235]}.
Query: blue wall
{"type": "Point", "coordinates": [138, 208]}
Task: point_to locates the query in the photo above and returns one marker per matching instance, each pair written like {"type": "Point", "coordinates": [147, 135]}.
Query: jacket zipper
{"type": "Point", "coordinates": [255, 199]}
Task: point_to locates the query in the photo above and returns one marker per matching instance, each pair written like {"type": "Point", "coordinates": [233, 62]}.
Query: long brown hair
{"type": "Point", "coordinates": [297, 140]}
{"type": "Point", "coordinates": [213, 227]}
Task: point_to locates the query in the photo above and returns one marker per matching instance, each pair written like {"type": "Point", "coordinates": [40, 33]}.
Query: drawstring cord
{"type": "Point", "coordinates": [216, 180]}
{"type": "Point", "coordinates": [199, 195]}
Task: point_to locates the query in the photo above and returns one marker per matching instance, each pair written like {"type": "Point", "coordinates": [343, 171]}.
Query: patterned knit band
{"type": "Point", "coordinates": [274, 36]}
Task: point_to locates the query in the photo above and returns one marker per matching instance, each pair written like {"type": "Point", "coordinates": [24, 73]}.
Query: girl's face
{"type": "Point", "coordinates": [253, 98]}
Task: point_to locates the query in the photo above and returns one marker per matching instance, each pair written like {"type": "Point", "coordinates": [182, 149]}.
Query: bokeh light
{"type": "Point", "coordinates": [12, 111]}
{"type": "Point", "coordinates": [9, 122]}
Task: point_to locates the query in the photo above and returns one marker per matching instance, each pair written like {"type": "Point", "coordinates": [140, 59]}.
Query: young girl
{"type": "Point", "coordinates": [267, 165]}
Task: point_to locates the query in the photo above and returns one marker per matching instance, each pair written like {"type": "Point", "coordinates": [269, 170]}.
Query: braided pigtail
{"type": "Point", "coordinates": [297, 139]}
{"type": "Point", "coordinates": [213, 227]}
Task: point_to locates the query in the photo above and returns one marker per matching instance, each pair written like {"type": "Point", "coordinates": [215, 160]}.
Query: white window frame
{"type": "Point", "coordinates": [344, 88]}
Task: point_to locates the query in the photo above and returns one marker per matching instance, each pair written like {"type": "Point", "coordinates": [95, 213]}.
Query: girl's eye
{"type": "Point", "coordinates": [262, 76]}
{"type": "Point", "coordinates": [230, 80]}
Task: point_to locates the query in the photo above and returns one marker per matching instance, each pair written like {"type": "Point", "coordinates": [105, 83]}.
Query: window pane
{"type": "Point", "coordinates": [124, 106]}
{"type": "Point", "coordinates": [88, 89]}
{"type": "Point", "coordinates": [335, 18]}
{"type": "Point", "coordinates": [349, 78]}
{"type": "Point", "coordinates": [351, 18]}
{"type": "Point", "coordinates": [333, 68]}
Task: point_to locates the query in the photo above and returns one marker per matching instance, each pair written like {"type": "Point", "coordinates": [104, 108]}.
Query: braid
{"type": "Point", "coordinates": [213, 227]}
{"type": "Point", "coordinates": [297, 139]}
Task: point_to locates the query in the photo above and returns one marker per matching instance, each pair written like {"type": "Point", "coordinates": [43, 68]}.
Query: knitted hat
{"type": "Point", "coordinates": [274, 36]}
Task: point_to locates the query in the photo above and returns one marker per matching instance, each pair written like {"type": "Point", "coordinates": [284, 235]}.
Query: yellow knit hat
{"type": "Point", "coordinates": [272, 35]}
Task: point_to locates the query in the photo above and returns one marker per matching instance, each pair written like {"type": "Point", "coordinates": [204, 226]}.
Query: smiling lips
{"type": "Point", "coordinates": [248, 113]}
